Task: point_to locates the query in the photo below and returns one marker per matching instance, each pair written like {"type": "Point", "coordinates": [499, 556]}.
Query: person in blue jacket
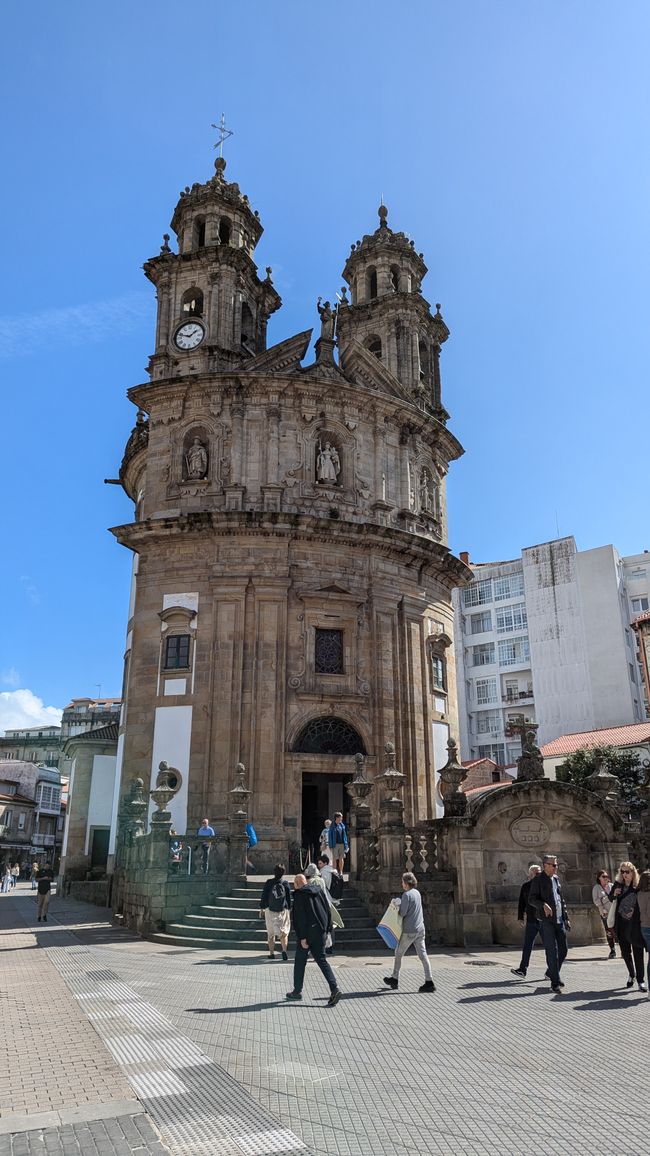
{"type": "Point", "coordinates": [338, 841]}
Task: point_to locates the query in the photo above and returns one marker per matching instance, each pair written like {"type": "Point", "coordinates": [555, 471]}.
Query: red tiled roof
{"type": "Point", "coordinates": [488, 787]}
{"type": "Point", "coordinates": [16, 799]}
{"type": "Point", "coordinates": [627, 736]}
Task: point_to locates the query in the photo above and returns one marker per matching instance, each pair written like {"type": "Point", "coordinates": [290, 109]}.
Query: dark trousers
{"type": "Point", "coordinates": [531, 931]}
{"type": "Point", "coordinates": [633, 955]}
{"type": "Point", "coordinates": [554, 940]}
{"type": "Point", "coordinates": [315, 944]}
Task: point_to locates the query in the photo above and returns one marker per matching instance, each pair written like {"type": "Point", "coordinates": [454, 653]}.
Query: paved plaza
{"type": "Point", "coordinates": [112, 1045]}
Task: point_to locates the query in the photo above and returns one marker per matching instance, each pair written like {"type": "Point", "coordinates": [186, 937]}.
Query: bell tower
{"type": "Point", "coordinates": [390, 317]}
{"type": "Point", "coordinates": [213, 308]}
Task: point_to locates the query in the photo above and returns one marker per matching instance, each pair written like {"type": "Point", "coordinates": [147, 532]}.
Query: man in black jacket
{"type": "Point", "coordinates": [532, 929]}
{"type": "Point", "coordinates": [311, 922]}
{"type": "Point", "coordinates": [546, 897]}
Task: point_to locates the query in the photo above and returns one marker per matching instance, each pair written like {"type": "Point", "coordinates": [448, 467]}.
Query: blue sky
{"type": "Point", "coordinates": [509, 139]}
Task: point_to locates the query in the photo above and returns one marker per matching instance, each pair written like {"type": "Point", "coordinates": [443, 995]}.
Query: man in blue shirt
{"type": "Point", "coordinates": [207, 832]}
{"type": "Point", "coordinates": [337, 838]}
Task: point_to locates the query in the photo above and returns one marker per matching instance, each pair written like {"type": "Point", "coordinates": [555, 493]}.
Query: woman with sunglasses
{"type": "Point", "coordinates": [602, 902]}
{"type": "Point", "coordinates": [628, 922]}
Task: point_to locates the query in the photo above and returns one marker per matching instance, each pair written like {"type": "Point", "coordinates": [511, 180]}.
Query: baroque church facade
{"type": "Point", "coordinates": [291, 598]}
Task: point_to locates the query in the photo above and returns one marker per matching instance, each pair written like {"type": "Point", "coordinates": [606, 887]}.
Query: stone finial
{"type": "Point", "coordinates": [240, 793]}
{"type": "Point", "coordinates": [602, 782]}
{"type": "Point", "coordinates": [359, 788]}
{"type": "Point", "coordinates": [451, 776]}
{"type": "Point", "coordinates": [344, 295]}
{"type": "Point", "coordinates": [391, 779]}
{"type": "Point", "coordinates": [220, 168]}
{"type": "Point", "coordinates": [382, 213]}
{"type": "Point", "coordinates": [269, 277]}
{"type": "Point", "coordinates": [164, 248]}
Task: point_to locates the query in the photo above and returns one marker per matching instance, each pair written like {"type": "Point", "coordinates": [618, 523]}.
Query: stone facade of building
{"type": "Point", "coordinates": [291, 601]}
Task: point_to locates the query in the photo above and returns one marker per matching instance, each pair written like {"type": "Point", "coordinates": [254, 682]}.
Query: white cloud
{"type": "Point", "coordinates": [22, 708]}
{"type": "Point", "coordinates": [74, 325]}
{"type": "Point", "coordinates": [10, 677]}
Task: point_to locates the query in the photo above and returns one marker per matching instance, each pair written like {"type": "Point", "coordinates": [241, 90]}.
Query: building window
{"type": "Point", "coordinates": [479, 623]}
{"type": "Point", "coordinates": [7, 817]}
{"type": "Point", "coordinates": [328, 652]}
{"type": "Point", "coordinates": [438, 672]}
{"type": "Point", "coordinates": [495, 751]}
{"type": "Point", "coordinates": [192, 302]}
{"type": "Point", "coordinates": [511, 586]}
{"type": "Point", "coordinates": [486, 690]}
{"type": "Point", "coordinates": [483, 655]}
{"type": "Point", "coordinates": [631, 670]}
{"type": "Point", "coordinates": [177, 652]}
{"type": "Point", "coordinates": [371, 282]}
{"type": "Point", "coordinates": [488, 722]}
{"type": "Point", "coordinates": [373, 345]}
{"type": "Point", "coordinates": [512, 618]}
{"type": "Point", "coordinates": [639, 605]}
{"type": "Point", "coordinates": [224, 231]}
{"type": "Point", "coordinates": [496, 776]}
{"type": "Point", "coordinates": [514, 651]}
{"type": "Point", "coordinates": [478, 593]}
{"type": "Point", "coordinates": [329, 736]}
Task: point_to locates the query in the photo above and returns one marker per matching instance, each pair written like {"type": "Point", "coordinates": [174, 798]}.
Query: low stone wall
{"type": "Point", "coordinates": [95, 891]}
{"type": "Point", "coordinates": [586, 925]}
{"type": "Point", "coordinates": [440, 915]}
{"type": "Point", "coordinates": [152, 901]}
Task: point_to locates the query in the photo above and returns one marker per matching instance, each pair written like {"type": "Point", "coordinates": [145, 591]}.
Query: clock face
{"type": "Point", "coordinates": [189, 335]}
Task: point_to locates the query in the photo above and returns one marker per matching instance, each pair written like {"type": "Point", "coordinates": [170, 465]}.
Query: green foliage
{"type": "Point", "coordinates": [624, 764]}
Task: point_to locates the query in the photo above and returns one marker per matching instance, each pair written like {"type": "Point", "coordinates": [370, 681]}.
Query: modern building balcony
{"type": "Point", "coordinates": [39, 840]}
{"type": "Point", "coordinates": [521, 696]}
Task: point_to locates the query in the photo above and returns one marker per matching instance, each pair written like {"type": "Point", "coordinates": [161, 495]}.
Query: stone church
{"type": "Point", "coordinates": [291, 597]}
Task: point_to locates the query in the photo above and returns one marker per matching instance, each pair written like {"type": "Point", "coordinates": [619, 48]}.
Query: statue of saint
{"type": "Point", "coordinates": [327, 320]}
{"type": "Point", "coordinates": [196, 460]}
{"type": "Point", "coordinates": [426, 492]}
{"type": "Point", "coordinates": [328, 464]}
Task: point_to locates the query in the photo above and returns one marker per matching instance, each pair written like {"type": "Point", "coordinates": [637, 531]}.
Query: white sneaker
{"type": "Point", "coordinates": [642, 987]}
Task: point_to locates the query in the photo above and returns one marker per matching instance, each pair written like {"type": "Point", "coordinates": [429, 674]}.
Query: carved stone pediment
{"type": "Point", "coordinates": [363, 368]}
{"type": "Point", "coordinates": [285, 357]}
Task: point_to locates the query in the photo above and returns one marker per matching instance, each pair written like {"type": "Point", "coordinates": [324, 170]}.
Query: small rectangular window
{"type": "Point", "coordinates": [481, 622]}
{"type": "Point", "coordinates": [21, 821]}
{"type": "Point", "coordinates": [177, 652]}
{"type": "Point", "coordinates": [328, 652]}
{"type": "Point", "coordinates": [478, 593]}
{"type": "Point", "coordinates": [438, 670]}
{"type": "Point", "coordinates": [483, 655]}
{"type": "Point", "coordinates": [7, 817]}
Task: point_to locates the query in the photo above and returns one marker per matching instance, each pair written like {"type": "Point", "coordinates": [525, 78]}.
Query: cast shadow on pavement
{"type": "Point", "coordinates": [308, 1001]}
{"type": "Point", "coordinates": [515, 992]}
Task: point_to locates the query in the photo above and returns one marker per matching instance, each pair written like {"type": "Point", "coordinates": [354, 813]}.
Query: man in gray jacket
{"type": "Point", "coordinates": [413, 932]}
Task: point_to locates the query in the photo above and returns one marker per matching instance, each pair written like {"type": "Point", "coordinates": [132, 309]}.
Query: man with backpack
{"type": "Point", "coordinates": [275, 907]}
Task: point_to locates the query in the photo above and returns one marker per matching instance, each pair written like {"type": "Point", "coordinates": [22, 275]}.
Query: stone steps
{"type": "Point", "coordinates": [233, 922]}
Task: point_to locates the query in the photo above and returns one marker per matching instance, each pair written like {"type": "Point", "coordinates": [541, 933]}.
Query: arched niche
{"type": "Point", "coordinates": [195, 454]}
{"type": "Point", "coordinates": [373, 344]}
{"type": "Point", "coordinates": [247, 328]}
{"type": "Point", "coordinates": [192, 302]}
{"type": "Point", "coordinates": [328, 735]}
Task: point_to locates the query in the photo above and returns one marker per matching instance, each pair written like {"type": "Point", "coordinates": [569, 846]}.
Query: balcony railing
{"type": "Point", "coordinates": [512, 697]}
{"type": "Point", "coordinates": [43, 840]}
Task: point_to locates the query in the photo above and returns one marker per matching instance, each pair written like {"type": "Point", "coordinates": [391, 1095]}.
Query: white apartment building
{"type": "Point", "coordinates": [546, 638]}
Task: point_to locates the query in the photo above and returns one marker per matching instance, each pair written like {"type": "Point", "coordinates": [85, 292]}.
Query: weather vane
{"type": "Point", "coordinates": [224, 133]}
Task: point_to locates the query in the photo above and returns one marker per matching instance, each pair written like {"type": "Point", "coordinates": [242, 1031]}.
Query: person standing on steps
{"type": "Point", "coordinates": [311, 921]}
{"type": "Point", "coordinates": [337, 838]}
{"type": "Point", "coordinates": [532, 926]}
{"type": "Point", "coordinates": [546, 897]}
{"type": "Point", "coordinates": [413, 932]}
{"type": "Point", "coordinates": [206, 832]}
{"type": "Point", "coordinates": [602, 902]}
{"type": "Point", "coordinates": [275, 907]}
{"type": "Point", "coordinates": [317, 874]}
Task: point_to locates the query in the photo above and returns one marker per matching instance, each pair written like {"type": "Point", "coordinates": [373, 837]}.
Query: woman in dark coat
{"type": "Point", "coordinates": [628, 922]}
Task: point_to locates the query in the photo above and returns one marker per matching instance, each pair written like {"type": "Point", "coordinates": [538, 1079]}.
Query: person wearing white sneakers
{"type": "Point", "coordinates": [628, 922]}
{"type": "Point", "coordinates": [643, 902]}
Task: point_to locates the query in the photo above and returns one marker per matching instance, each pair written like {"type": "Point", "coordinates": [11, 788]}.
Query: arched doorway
{"type": "Point", "coordinates": [328, 745]}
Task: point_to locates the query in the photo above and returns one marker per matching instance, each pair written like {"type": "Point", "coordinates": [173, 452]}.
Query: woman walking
{"type": "Point", "coordinates": [643, 900]}
{"type": "Point", "coordinates": [602, 902]}
{"type": "Point", "coordinates": [627, 923]}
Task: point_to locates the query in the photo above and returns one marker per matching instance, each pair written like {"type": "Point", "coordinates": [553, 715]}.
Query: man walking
{"type": "Point", "coordinates": [533, 927]}
{"type": "Point", "coordinates": [43, 893]}
{"type": "Point", "coordinates": [312, 922]}
{"type": "Point", "coordinates": [413, 932]}
{"type": "Point", "coordinates": [206, 832]}
{"type": "Point", "coordinates": [545, 896]}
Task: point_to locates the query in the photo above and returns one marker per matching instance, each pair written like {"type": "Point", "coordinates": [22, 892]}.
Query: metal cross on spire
{"type": "Point", "coordinates": [224, 133]}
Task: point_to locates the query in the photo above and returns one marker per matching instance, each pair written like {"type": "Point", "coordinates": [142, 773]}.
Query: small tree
{"type": "Point", "coordinates": [624, 764]}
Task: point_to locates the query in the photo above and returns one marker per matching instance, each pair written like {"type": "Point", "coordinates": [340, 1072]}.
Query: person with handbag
{"type": "Point", "coordinates": [643, 901]}
{"type": "Point", "coordinates": [312, 920]}
{"type": "Point", "coordinates": [409, 906]}
{"type": "Point", "coordinates": [602, 902]}
{"type": "Point", "coordinates": [627, 922]}
{"type": "Point", "coordinates": [546, 897]}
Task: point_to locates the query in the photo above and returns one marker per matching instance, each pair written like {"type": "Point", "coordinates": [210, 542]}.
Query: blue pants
{"type": "Point", "coordinates": [555, 946]}
{"type": "Point", "coordinates": [315, 944]}
{"type": "Point", "coordinates": [531, 931]}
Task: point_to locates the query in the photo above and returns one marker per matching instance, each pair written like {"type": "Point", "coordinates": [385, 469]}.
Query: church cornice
{"type": "Point", "coordinates": [429, 558]}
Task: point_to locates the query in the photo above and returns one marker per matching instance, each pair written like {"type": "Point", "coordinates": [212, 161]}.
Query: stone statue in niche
{"type": "Point", "coordinates": [327, 320]}
{"type": "Point", "coordinates": [196, 460]}
{"type": "Point", "coordinates": [328, 464]}
{"type": "Point", "coordinates": [427, 500]}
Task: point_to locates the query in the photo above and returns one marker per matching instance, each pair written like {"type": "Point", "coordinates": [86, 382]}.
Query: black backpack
{"type": "Point", "coordinates": [278, 896]}
{"type": "Point", "coordinates": [336, 885]}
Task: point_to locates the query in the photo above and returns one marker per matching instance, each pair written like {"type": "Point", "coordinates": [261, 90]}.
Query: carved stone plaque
{"type": "Point", "coordinates": [530, 831]}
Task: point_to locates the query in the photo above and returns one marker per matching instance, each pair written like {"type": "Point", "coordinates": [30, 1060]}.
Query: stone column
{"type": "Point", "coordinates": [360, 815]}
{"type": "Point", "coordinates": [391, 818]}
{"type": "Point", "coordinates": [238, 846]}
